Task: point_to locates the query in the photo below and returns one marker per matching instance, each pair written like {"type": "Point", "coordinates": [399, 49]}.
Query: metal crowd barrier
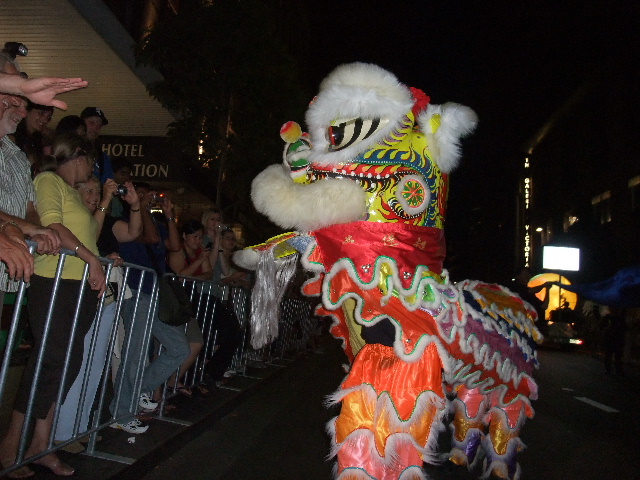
{"type": "Point", "coordinates": [206, 298]}
{"type": "Point", "coordinates": [96, 369]}
{"type": "Point", "coordinates": [294, 333]}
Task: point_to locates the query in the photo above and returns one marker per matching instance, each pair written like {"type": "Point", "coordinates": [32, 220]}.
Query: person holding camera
{"type": "Point", "coordinates": [126, 193]}
{"type": "Point", "coordinates": [213, 226]}
{"type": "Point", "coordinates": [122, 169]}
{"type": "Point", "coordinates": [148, 250]}
{"type": "Point", "coordinates": [111, 232]}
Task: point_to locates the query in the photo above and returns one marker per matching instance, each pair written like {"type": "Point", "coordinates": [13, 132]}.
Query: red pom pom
{"type": "Point", "coordinates": [421, 100]}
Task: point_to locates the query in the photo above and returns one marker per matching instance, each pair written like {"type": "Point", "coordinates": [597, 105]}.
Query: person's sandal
{"type": "Point", "coordinates": [186, 391]}
{"type": "Point", "coordinates": [203, 389]}
{"type": "Point", "coordinates": [57, 466]}
{"type": "Point", "coordinates": [22, 472]}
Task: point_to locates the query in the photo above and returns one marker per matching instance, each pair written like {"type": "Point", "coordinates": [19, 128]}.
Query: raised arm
{"type": "Point", "coordinates": [173, 243]}
{"type": "Point", "coordinates": [129, 231]}
{"type": "Point", "coordinates": [149, 233]}
{"type": "Point", "coordinates": [100, 213]}
{"type": "Point", "coordinates": [41, 90]}
{"type": "Point", "coordinates": [179, 264]}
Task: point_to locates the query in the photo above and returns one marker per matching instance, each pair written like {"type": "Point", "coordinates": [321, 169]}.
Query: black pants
{"type": "Point", "coordinates": [228, 338]}
{"type": "Point", "coordinates": [613, 354]}
{"type": "Point", "coordinates": [57, 341]}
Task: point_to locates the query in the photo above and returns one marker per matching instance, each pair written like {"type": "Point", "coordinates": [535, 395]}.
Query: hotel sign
{"type": "Point", "coordinates": [152, 157]}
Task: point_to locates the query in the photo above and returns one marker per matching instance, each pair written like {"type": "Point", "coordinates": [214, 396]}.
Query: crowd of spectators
{"type": "Point", "coordinates": [59, 190]}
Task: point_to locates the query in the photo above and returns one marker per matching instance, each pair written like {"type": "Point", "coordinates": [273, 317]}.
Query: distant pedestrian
{"type": "Point", "coordinates": [613, 330]}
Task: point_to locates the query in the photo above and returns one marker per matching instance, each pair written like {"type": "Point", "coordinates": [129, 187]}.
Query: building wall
{"type": "Point", "coordinates": [581, 169]}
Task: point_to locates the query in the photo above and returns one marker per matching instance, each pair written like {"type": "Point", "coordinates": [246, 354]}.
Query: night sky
{"type": "Point", "coordinates": [514, 62]}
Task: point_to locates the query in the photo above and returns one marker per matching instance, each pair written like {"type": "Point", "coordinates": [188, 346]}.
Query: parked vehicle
{"type": "Point", "coordinates": [561, 329]}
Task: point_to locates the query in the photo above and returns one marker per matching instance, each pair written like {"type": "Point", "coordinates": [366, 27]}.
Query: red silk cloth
{"type": "Point", "coordinates": [363, 242]}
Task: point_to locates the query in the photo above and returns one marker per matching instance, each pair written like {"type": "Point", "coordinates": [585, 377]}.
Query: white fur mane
{"type": "Point", "coordinates": [355, 90]}
{"type": "Point", "coordinates": [306, 207]}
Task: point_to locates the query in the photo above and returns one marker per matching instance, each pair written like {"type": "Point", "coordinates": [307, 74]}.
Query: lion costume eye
{"type": "Point", "coordinates": [345, 133]}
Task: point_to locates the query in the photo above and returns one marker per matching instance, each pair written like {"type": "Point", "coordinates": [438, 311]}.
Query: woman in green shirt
{"type": "Point", "coordinates": [60, 208]}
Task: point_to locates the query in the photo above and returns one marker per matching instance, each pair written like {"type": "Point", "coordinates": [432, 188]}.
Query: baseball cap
{"type": "Point", "coordinates": [94, 112]}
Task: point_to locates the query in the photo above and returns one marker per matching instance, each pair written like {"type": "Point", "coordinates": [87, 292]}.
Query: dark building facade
{"type": "Point", "coordinates": [581, 178]}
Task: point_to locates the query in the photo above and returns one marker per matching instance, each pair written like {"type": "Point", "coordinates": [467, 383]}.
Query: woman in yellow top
{"type": "Point", "coordinates": [60, 208]}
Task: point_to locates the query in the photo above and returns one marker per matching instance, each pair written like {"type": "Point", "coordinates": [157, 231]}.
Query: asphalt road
{"type": "Point", "coordinates": [586, 427]}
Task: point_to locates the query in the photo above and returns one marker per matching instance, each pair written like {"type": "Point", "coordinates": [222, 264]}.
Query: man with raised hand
{"type": "Point", "coordinates": [41, 90]}
{"type": "Point", "coordinates": [17, 193]}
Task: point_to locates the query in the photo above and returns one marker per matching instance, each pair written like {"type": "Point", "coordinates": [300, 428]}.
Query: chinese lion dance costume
{"type": "Point", "coordinates": [365, 191]}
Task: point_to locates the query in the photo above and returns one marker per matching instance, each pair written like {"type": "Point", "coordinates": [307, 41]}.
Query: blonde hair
{"type": "Point", "coordinates": [66, 147]}
{"type": "Point", "coordinates": [92, 178]}
{"type": "Point", "coordinates": [207, 214]}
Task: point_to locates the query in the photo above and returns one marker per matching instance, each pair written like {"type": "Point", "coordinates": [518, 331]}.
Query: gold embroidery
{"type": "Point", "coordinates": [389, 240]}
{"type": "Point", "coordinates": [420, 244]}
{"type": "Point", "coordinates": [349, 239]}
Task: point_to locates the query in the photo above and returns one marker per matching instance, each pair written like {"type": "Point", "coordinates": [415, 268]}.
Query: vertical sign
{"type": "Point", "coordinates": [527, 204]}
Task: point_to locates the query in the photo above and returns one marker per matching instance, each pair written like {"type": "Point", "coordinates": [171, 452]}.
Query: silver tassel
{"type": "Point", "coordinates": [271, 283]}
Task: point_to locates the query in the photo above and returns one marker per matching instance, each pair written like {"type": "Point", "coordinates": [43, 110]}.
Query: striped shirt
{"type": "Point", "coordinates": [16, 191]}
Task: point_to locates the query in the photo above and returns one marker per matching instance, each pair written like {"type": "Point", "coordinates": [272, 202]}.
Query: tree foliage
{"type": "Point", "coordinates": [224, 66]}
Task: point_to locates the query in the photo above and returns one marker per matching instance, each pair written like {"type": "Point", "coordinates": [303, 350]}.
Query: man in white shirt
{"type": "Point", "coordinates": [17, 194]}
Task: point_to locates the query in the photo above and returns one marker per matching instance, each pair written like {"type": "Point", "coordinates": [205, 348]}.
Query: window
{"type": "Point", "coordinates": [634, 190]}
{"type": "Point", "coordinates": [602, 207]}
{"type": "Point", "coordinates": [570, 219]}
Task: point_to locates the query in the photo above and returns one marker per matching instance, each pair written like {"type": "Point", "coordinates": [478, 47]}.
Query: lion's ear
{"type": "Point", "coordinates": [445, 125]}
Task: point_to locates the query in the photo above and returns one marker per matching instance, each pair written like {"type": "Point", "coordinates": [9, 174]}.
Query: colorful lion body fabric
{"type": "Point", "coordinates": [366, 192]}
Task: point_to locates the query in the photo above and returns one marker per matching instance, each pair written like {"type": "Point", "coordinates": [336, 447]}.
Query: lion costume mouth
{"type": "Point", "coordinates": [411, 196]}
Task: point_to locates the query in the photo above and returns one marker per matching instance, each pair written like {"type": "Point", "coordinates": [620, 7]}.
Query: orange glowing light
{"type": "Point", "coordinates": [555, 293]}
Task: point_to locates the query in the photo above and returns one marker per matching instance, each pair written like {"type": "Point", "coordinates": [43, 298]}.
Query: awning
{"type": "Point", "coordinates": [82, 38]}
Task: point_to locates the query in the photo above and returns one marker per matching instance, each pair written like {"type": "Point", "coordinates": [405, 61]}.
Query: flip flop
{"type": "Point", "coordinates": [203, 390]}
{"type": "Point", "coordinates": [186, 391]}
{"type": "Point", "coordinates": [22, 472]}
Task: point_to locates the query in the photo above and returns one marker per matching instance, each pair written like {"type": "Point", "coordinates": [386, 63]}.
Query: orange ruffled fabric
{"type": "Point", "coordinates": [378, 376]}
